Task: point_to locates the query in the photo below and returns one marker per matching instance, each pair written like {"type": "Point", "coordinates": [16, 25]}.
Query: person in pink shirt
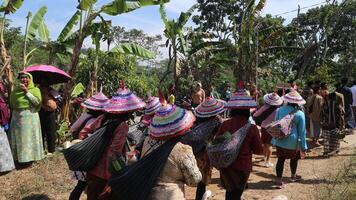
{"type": "Point", "coordinates": [119, 109]}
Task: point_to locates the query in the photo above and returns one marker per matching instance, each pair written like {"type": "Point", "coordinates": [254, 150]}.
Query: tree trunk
{"type": "Point", "coordinates": [69, 86]}
{"type": "Point", "coordinates": [175, 62]}
{"type": "Point", "coordinates": [6, 60]}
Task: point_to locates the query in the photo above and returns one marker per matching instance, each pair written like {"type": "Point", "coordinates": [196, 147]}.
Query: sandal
{"type": "Point", "coordinates": [296, 178]}
{"type": "Point", "coordinates": [280, 184]}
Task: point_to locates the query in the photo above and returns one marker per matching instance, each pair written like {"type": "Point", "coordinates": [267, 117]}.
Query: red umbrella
{"type": "Point", "coordinates": [51, 74]}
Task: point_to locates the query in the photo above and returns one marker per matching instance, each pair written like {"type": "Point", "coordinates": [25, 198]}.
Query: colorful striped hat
{"type": "Point", "coordinates": [241, 100]}
{"type": "Point", "coordinates": [210, 107]}
{"type": "Point", "coordinates": [152, 105]}
{"type": "Point", "coordinates": [273, 99]}
{"type": "Point", "coordinates": [170, 121]}
{"type": "Point", "coordinates": [293, 97]}
{"type": "Point", "coordinates": [96, 102]}
{"type": "Point", "coordinates": [124, 101]}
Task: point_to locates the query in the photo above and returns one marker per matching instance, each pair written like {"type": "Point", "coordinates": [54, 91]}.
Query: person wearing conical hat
{"type": "Point", "coordinates": [118, 110]}
{"type": "Point", "coordinates": [94, 108]}
{"type": "Point", "coordinates": [264, 116]}
{"type": "Point", "coordinates": [294, 146]}
{"type": "Point", "coordinates": [207, 113]}
{"type": "Point", "coordinates": [169, 123]}
{"type": "Point", "coordinates": [234, 177]}
{"type": "Point", "coordinates": [152, 106]}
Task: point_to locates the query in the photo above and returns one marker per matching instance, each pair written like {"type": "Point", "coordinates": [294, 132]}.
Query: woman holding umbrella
{"type": "Point", "coordinates": [47, 75]}
{"type": "Point", "coordinates": [25, 131]}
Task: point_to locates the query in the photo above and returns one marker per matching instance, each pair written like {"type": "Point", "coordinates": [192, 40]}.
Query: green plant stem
{"type": "Point", "coordinates": [25, 44]}
{"type": "Point", "coordinates": [2, 28]}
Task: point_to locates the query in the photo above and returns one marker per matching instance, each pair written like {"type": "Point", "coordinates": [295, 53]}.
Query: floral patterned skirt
{"type": "Point", "coordinates": [6, 160]}
{"type": "Point", "coordinates": [26, 136]}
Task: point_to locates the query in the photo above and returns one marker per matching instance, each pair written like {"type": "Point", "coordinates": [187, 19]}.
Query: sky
{"type": "Point", "coordinates": [146, 18]}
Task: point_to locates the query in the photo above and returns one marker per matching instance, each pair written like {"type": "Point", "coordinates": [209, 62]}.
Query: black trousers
{"type": "Point", "coordinates": [48, 126]}
{"type": "Point", "coordinates": [234, 194]}
{"type": "Point", "coordinates": [280, 166]}
{"type": "Point", "coordinates": [78, 190]}
{"type": "Point", "coordinates": [201, 188]}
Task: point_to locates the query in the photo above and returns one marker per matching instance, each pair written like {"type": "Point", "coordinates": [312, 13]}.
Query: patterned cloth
{"type": "Point", "coordinates": [331, 142]}
{"type": "Point", "coordinates": [6, 160]}
{"type": "Point", "coordinates": [26, 136]}
{"type": "Point", "coordinates": [333, 112]}
{"type": "Point", "coordinates": [96, 102]}
{"type": "Point", "coordinates": [79, 175]}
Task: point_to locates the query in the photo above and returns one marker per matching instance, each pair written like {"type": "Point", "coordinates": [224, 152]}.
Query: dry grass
{"type": "Point", "coordinates": [46, 179]}
{"type": "Point", "coordinates": [342, 184]}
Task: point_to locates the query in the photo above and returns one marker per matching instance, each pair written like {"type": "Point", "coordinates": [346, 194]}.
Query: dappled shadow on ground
{"type": "Point", "coordinates": [36, 197]}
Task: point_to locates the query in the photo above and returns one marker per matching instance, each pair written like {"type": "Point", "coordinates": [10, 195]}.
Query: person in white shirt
{"type": "Point", "coordinates": [353, 90]}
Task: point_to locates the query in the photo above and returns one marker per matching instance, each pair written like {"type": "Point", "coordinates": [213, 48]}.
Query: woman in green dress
{"type": "Point", "coordinates": [25, 128]}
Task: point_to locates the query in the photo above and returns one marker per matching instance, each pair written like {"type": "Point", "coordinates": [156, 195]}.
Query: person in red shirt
{"type": "Point", "coordinates": [234, 178]}
{"type": "Point", "coordinates": [120, 107]}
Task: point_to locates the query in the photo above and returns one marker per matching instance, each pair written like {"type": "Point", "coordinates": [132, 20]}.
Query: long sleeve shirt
{"type": "Point", "coordinates": [251, 145]}
{"type": "Point", "coordinates": [298, 130]}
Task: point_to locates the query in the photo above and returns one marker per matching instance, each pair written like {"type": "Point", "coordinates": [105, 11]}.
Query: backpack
{"type": "Point", "coordinates": [282, 128]}
{"type": "Point", "coordinates": [223, 153]}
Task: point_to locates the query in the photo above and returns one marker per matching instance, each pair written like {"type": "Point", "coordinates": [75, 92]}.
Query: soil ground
{"type": "Point", "coordinates": [49, 178]}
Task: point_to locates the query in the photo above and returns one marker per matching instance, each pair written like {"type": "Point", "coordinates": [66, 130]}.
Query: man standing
{"type": "Point", "coordinates": [314, 110]}
{"type": "Point", "coordinates": [346, 91]}
{"type": "Point", "coordinates": [198, 95]}
{"type": "Point", "coordinates": [332, 120]}
{"type": "Point", "coordinates": [353, 90]}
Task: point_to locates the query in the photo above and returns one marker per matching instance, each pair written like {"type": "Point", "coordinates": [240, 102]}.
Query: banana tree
{"type": "Point", "coordinates": [8, 7]}
{"type": "Point", "coordinates": [247, 44]}
{"type": "Point", "coordinates": [85, 16]}
{"type": "Point", "coordinates": [35, 27]}
{"type": "Point", "coordinates": [174, 34]}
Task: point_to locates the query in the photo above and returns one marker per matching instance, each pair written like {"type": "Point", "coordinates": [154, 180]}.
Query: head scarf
{"type": "Point", "coordinates": [18, 99]}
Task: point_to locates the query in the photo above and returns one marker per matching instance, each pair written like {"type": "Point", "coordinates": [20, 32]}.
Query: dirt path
{"type": "Point", "coordinates": [49, 179]}
{"type": "Point", "coordinates": [315, 170]}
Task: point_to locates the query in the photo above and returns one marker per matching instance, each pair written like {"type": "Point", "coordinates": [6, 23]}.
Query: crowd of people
{"type": "Point", "coordinates": [175, 145]}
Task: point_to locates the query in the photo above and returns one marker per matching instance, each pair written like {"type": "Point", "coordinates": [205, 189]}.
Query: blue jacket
{"type": "Point", "coordinates": [298, 130]}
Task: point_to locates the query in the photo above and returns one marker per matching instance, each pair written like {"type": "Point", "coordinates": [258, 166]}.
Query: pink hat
{"type": "Point", "coordinates": [294, 97]}
{"type": "Point", "coordinates": [210, 107]}
{"type": "Point", "coordinates": [273, 99]}
{"type": "Point", "coordinates": [124, 101]}
{"type": "Point", "coordinates": [241, 100]}
{"type": "Point", "coordinates": [152, 105]}
{"type": "Point", "coordinates": [170, 121]}
{"type": "Point", "coordinates": [96, 102]}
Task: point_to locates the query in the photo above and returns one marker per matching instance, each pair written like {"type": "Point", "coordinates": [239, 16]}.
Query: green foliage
{"type": "Point", "coordinates": [68, 28]}
{"type": "Point", "coordinates": [78, 89]}
{"type": "Point", "coordinates": [86, 4]}
{"type": "Point", "coordinates": [10, 6]}
{"type": "Point", "coordinates": [133, 49]}
{"type": "Point", "coordinates": [37, 26]}
{"type": "Point", "coordinates": [63, 132]}
{"type": "Point", "coordinates": [117, 7]}
{"type": "Point", "coordinates": [115, 67]}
